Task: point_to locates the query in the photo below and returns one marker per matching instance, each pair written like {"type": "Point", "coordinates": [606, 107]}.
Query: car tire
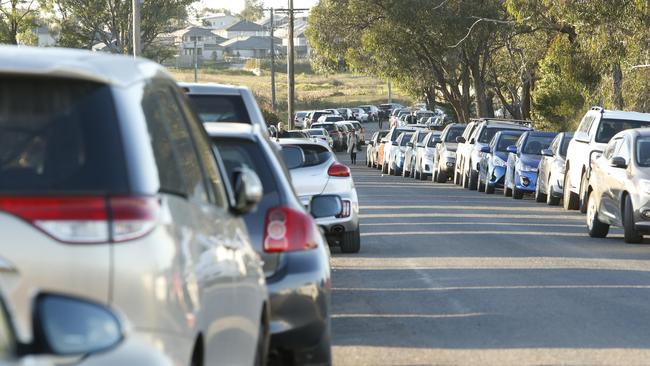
{"type": "Point", "coordinates": [507, 191]}
{"type": "Point", "coordinates": [466, 180]}
{"type": "Point", "coordinates": [571, 200]}
{"type": "Point", "coordinates": [441, 177]}
{"type": "Point", "coordinates": [584, 192]}
{"type": "Point", "coordinates": [489, 189]}
{"type": "Point", "coordinates": [434, 176]}
{"type": "Point", "coordinates": [473, 180]}
{"type": "Point", "coordinates": [539, 196]}
{"type": "Point", "coordinates": [596, 228]}
{"type": "Point", "coordinates": [630, 234]}
{"type": "Point", "coordinates": [551, 199]}
{"type": "Point", "coordinates": [321, 354]}
{"type": "Point", "coordinates": [384, 168]}
{"type": "Point", "coordinates": [517, 193]}
{"type": "Point", "coordinates": [351, 242]}
{"type": "Point", "coordinates": [481, 185]}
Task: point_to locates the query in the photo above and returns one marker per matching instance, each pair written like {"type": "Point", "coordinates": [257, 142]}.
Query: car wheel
{"type": "Point", "coordinates": [434, 177]}
{"type": "Point", "coordinates": [481, 184]}
{"type": "Point", "coordinates": [630, 233]}
{"type": "Point", "coordinates": [539, 196]}
{"type": "Point", "coordinates": [473, 180]}
{"type": "Point", "coordinates": [517, 193]}
{"type": "Point", "coordinates": [321, 354]}
{"type": "Point", "coordinates": [351, 242]}
{"type": "Point", "coordinates": [441, 178]}
{"type": "Point", "coordinates": [466, 180]}
{"type": "Point", "coordinates": [489, 189]}
{"type": "Point", "coordinates": [571, 200]}
{"type": "Point", "coordinates": [597, 228]}
{"type": "Point", "coordinates": [551, 200]}
{"type": "Point", "coordinates": [384, 168]}
{"type": "Point", "coordinates": [584, 183]}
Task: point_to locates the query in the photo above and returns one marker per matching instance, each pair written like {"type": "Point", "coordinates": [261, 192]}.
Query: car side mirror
{"type": "Point", "coordinates": [437, 140]}
{"type": "Point", "coordinates": [618, 162]}
{"type": "Point", "coordinates": [472, 141]}
{"type": "Point", "coordinates": [370, 142]}
{"type": "Point", "coordinates": [581, 136]}
{"type": "Point", "coordinates": [419, 145]}
{"type": "Point", "coordinates": [512, 149]}
{"type": "Point", "coordinates": [325, 206]}
{"type": "Point", "coordinates": [547, 152]}
{"type": "Point", "coordinates": [485, 149]}
{"type": "Point", "coordinates": [460, 139]}
{"type": "Point", "coordinates": [248, 190]}
{"type": "Point", "coordinates": [68, 326]}
{"type": "Point", "coordinates": [409, 144]}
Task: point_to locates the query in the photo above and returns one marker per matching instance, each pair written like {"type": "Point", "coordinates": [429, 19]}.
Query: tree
{"type": "Point", "coordinates": [17, 17]}
{"type": "Point", "coordinates": [253, 10]}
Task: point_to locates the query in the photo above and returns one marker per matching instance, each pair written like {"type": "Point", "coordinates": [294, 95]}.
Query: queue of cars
{"type": "Point", "coordinates": [602, 169]}
{"type": "Point", "coordinates": [154, 223]}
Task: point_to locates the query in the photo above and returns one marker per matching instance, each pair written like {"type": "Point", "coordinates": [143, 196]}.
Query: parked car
{"type": "Point", "coordinates": [360, 114]}
{"type": "Point", "coordinates": [360, 131]}
{"type": "Point", "coordinates": [619, 187]}
{"type": "Point", "coordinates": [471, 154]}
{"type": "Point", "coordinates": [597, 127]}
{"type": "Point", "coordinates": [409, 154]}
{"type": "Point", "coordinates": [424, 155]}
{"type": "Point", "coordinates": [328, 118]}
{"type": "Point", "coordinates": [322, 134]}
{"type": "Point", "coordinates": [333, 111]}
{"type": "Point", "coordinates": [313, 116]}
{"type": "Point", "coordinates": [296, 134]}
{"type": "Point", "coordinates": [339, 139]}
{"type": "Point", "coordinates": [551, 170]}
{"type": "Point", "coordinates": [492, 167]}
{"type": "Point", "coordinates": [388, 142]}
{"type": "Point", "coordinates": [395, 156]}
{"type": "Point", "coordinates": [110, 186]}
{"type": "Point", "coordinates": [373, 147]}
{"type": "Point", "coordinates": [523, 161]}
{"type": "Point", "coordinates": [299, 119]}
{"type": "Point", "coordinates": [295, 257]}
{"type": "Point", "coordinates": [372, 111]}
{"type": "Point", "coordinates": [346, 113]}
{"type": "Point", "coordinates": [386, 109]}
{"type": "Point", "coordinates": [444, 158]}
{"type": "Point", "coordinates": [320, 173]}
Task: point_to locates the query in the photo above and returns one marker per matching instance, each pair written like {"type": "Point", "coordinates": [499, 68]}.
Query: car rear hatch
{"type": "Point", "coordinates": [61, 168]}
{"type": "Point", "coordinates": [311, 177]}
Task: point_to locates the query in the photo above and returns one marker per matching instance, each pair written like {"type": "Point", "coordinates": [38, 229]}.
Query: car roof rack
{"type": "Point", "coordinates": [489, 120]}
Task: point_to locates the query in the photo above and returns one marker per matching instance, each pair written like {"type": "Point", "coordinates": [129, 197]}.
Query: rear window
{"type": "Point", "coordinates": [314, 155]}
{"type": "Point", "coordinates": [535, 144]}
{"type": "Point", "coordinates": [59, 135]}
{"type": "Point", "coordinates": [610, 127]}
{"type": "Point", "coordinates": [328, 127]}
{"type": "Point", "coordinates": [333, 119]}
{"type": "Point", "coordinates": [316, 132]}
{"type": "Point", "coordinates": [488, 133]}
{"type": "Point", "coordinates": [220, 108]}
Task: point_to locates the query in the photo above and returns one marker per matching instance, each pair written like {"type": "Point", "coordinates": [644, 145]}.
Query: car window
{"type": "Point", "coordinates": [59, 135]}
{"type": "Point", "coordinates": [405, 139]}
{"type": "Point", "coordinates": [611, 148]}
{"type": "Point", "coordinates": [624, 150]}
{"type": "Point", "coordinates": [314, 155]}
{"type": "Point", "coordinates": [505, 141]}
{"type": "Point", "coordinates": [316, 132]}
{"type": "Point", "coordinates": [431, 142]}
{"type": "Point", "coordinates": [178, 165]}
{"type": "Point", "coordinates": [535, 144]}
{"type": "Point", "coordinates": [585, 124]}
{"type": "Point", "coordinates": [292, 156]}
{"type": "Point", "coordinates": [565, 145]}
{"type": "Point", "coordinates": [609, 127]}
{"type": "Point", "coordinates": [643, 151]}
{"type": "Point", "coordinates": [421, 137]}
{"type": "Point", "coordinates": [220, 108]}
{"type": "Point", "coordinates": [488, 133]}
{"type": "Point", "coordinates": [454, 132]}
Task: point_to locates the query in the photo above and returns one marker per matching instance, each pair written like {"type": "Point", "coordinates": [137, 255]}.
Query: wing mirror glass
{"type": "Point", "coordinates": [325, 206]}
{"type": "Point", "coordinates": [547, 152]}
{"type": "Point", "coordinates": [460, 139]}
{"type": "Point", "coordinates": [67, 326]}
{"type": "Point", "coordinates": [618, 162]}
{"type": "Point", "coordinates": [248, 190]}
{"type": "Point", "coordinates": [485, 149]}
{"type": "Point", "coordinates": [512, 149]}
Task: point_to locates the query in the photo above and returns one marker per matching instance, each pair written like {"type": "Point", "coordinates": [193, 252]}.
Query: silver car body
{"type": "Point", "coordinates": [425, 152]}
{"type": "Point", "coordinates": [551, 168]}
{"type": "Point", "coordinates": [192, 281]}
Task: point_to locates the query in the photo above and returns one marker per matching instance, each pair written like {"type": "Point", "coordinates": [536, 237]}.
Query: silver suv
{"type": "Point", "coordinates": [110, 191]}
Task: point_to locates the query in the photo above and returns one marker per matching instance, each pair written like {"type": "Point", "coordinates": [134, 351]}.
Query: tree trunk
{"type": "Point", "coordinates": [525, 100]}
{"type": "Point", "coordinates": [617, 76]}
{"type": "Point", "coordinates": [430, 97]}
{"type": "Point", "coordinates": [480, 95]}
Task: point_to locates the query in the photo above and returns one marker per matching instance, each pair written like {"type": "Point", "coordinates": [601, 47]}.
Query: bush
{"type": "Point", "coordinates": [270, 117]}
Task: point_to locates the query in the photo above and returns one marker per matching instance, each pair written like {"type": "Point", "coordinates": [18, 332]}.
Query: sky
{"type": "Point", "coordinates": [237, 5]}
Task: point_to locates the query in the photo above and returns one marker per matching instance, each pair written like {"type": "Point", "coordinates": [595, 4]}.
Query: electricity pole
{"type": "Point", "coordinates": [272, 64]}
{"type": "Point", "coordinates": [196, 63]}
{"type": "Point", "coordinates": [136, 27]}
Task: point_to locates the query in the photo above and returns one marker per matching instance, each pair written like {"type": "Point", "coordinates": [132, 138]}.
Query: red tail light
{"type": "Point", "coordinates": [338, 170]}
{"type": "Point", "coordinates": [289, 230]}
{"type": "Point", "coordinates": [86, 219]}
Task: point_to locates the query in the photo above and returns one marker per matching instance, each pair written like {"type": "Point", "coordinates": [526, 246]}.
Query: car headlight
{"type": "Point", "coordinates": [497, 161]}
{"type": "Point", "coordinates": [526, 168]}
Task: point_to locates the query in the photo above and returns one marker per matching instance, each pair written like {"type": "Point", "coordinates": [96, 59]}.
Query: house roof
{"type": "Point", "coordinates": [245, 26]}
{"type": "Point", "coordinates": [193, 32]}
{"type": "Point", "coordinates": [251, 43]}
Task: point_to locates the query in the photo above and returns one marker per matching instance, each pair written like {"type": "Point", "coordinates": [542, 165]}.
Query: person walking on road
{"type": "Point", "coordinates": [353, 142]}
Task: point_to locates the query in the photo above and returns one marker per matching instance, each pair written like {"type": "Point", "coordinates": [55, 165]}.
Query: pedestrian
{"type": "Point", "coordinates": [353, 142]}
{"type": "Point", "coordinates": [281, 132]}
{"type": "Point", "coordinates": [381, 120]}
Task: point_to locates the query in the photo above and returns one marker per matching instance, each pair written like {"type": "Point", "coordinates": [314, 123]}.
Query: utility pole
{"type": "Point", "coordinates": [272, 64]}
{"type": "Point", "coordinates": [196, 63]}
{"type": "Point", "coordinates": [390, 92]}
{"type": "Point", "coordinates": [136, 27]}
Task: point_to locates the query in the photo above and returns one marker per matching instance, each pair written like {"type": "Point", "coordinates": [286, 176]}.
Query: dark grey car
{"type": "Point", "coordinates": [296, 258]}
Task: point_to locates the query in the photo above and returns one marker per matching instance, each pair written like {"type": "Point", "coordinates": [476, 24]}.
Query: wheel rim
{"type": "Point", "coordinates": [591, 212]}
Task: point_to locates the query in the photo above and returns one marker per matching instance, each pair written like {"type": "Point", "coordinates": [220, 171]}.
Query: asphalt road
{"type": "Point", "coordinates": [447, 276]}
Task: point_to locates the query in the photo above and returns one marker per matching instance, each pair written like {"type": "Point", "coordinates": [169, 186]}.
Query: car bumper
{"type": "Point", "coordinates": [497, 176]}
{"type": "Point", "coordinates": [526, 181]}
{"type": "Point", "coordinates": [426, 166]}
{"type": "Point", "coordinates": [448, 165]}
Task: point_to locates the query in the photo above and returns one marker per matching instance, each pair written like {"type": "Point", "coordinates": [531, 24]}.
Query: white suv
{"type": "Point", "coordinates": [597, 127]}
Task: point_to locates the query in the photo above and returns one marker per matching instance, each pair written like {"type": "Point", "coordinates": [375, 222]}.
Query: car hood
{"type": "Point", "coordinates": [529, 159]}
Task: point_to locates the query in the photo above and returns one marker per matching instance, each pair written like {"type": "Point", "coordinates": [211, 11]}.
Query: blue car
{"type": "Point", "coordinates": [492, 167]}
{"type": "Point", "coordinates": [523, 161]}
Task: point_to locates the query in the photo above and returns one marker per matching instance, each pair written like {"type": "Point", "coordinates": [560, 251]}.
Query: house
{"type": "Point", "coordinates": [300, 43]}
{"type": "Point", "coordinates": [193, 39]}
{"type": "Point", "coordinates": [218, 21]}
{"type": "Point", "coordinates": [241, 29]}
{"type": "Point", "coordinates": [251, 47]}
{"type": "Point", "coordinates": [279, 20]}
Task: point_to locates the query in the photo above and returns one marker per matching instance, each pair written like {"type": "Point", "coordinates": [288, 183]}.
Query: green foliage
{"type": "Point", "coordinates": [18, 20]}
{"type": "Point", "coordinates": [270, 117]}
{"type": "Point", "coordinates": [253, 10]}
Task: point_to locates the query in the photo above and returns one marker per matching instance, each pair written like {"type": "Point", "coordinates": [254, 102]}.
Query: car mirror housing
{"type": "Point", "coordinates": [460, 139]}
{"type": "Point", "coordinates": [485, 149]}
{"type": "Point", "coordinates": [618, 162]}
{"type": "Point", "coordinates": [547, 152]}
{"type": "Point", "coordinates": [437, 140]}
{"type": "Point", "coordinates": [581, 136]}
{"type": "Point", "coordinates": [409, 144]}
{"type": "Point", "coordinates": [325, 206]}
{"type": "Point", "coordinates": [248, 190]}
{"type": "Point", "coordinates": [512, 149]}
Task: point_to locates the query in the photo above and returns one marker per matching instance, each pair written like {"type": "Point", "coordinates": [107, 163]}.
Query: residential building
{"type": "Point", "coordinates": [218, 21]}
{"type": "Point", "coordinates": [241, 29]}
{"type": "Point", "coordinates": [251, 47]}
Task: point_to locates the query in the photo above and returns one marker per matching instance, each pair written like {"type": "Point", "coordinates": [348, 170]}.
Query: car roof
{"type": "Point", "coordinates": [211, 88]}
{"type": "Point", "coordinates": [640, 132]}
{"type": "Point", "coordinates": [223, 129]}
{"type": "Point", "coordinates": [510, 126]}
{"type": "Point", "coordinates": [542, 133]}
{"type": "Point", "coordinates": [118, 70]}
{"type": "Point", "coordinates": [624, 115]}
{"type": "Point", "coordinates": [511, 132]}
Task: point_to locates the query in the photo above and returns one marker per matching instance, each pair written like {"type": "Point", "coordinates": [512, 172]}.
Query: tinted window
{"type": "Point", "coordinates": [453, 133]}
{"type": "Point", "coordinates": [643, 151]}
{"type": "Point", "coordinates": [328, 127]}
{"type": "Point", "coordinates": [610, 127]}
{"type": "Point", "coordinates": [396, 134]}
{"type": "Point", "coordinates": [421, 137]}
{"type": "Point", "coordinates": [535, 144]}
{"type": "Point", "coordinates": [565, 145]}
{"type": "Point", "coordinates": [505, 141]}
{"type": "Point", "coordinates": [59, 135]}
{"type": "Point", "coordinates": [220, 108]}
{"type": "Point", "coordinates": [431, 142]}
{"type": "Point", "coordinates": [333, 119]}
{"type": "Point", "coordinates": [293, 156]}
{"type": "Point", "coordinates": [316, 132]}
{"type": "Point", "coordinates": [178, 165]}
{"type": "Point", "coordinates": [405, 139]}
{"type": "Point", "coordinates": [488, 133]}
{"type": "Point", "coordinates": [295, 135]}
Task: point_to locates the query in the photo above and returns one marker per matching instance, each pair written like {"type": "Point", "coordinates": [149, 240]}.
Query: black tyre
{"type": "Point", "coordinates": [630, 233]}
{"type": "Point", "coordinates": [441, 178]}
{"type": "Point", "coordinates": [434, 177]}
{"type": "Point", "coordinates": [551, 199]}
{"type": "Point", "coordinates": [596, 228]}
{"type": "Point", "coordinates": [584, 193]}
{"type": "Point", "coordinates": [351, 242]}
{"type": "Point", "coordinates": [507, 191]}
{"type": "Point", "coordinates": [539, 196]}
{"type": "Point", "coordinates": [571, 200]}
{"type": "Point", "coordinates": [481, 185]}
{"type": "Point", "coordinates": [466, 180]}
{"type": "Point", "coordinates": [489, 189]}
{"type": "Point", "coordinates": [384, 168]}
{"type": "Point", "coordinates": [517, 193]}
{"type": "Point", "coordinates": [473, 180]}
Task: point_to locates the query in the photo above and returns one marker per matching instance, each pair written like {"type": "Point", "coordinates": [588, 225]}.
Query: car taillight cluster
{"type": "Point", "coordinates": [346, 209]}
{"type": "Point", "coordinates": [289, 230]}
{"type": "Point", "coordinates": [87, 219]}
{"type": "Point", "coordinates": [338, 170]}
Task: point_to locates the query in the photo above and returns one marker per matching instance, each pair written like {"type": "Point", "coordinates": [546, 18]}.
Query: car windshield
{"type": "Point", "coordinates": [505, 141]}
{"type": "Point", "coordinates": [488, 133]}
{"type": "Point", "coordinates": [535, 144]}
{"type": "Point", "coordinates": [316, 132]}
{"type": "Point", "coordinates": [421, 137]}
{"type": "Point", "coordinates": [431, 141]}
{"type": "Point", "coordinates": [610, 127]}
{"type": "Point", "coordinates": [220, 108]}
{"type": "Point", "coordinates": [565, 145]}
{"type": "Point", "coordinates": [643, 151]}
{"type": "Point", "coordinates": [300, 115]}
{"type": "Point", "coordinates": [59, 135]}
{"type": "Point", "coordinates": [453, 133]}
{"type": "Point", "coordinates": [406, 139]}
{"type": "Point", "coordinates": [333, 119]}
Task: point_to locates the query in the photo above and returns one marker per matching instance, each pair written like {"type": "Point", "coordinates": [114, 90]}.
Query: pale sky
{"type": "Point", "coordinates": [237, 5]}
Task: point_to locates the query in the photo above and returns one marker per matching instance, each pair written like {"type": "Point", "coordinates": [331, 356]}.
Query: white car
{"type": "Point", "coordinates": [597, 127]}
{"type": "Point", "coordinates": [321, 134]}
{"type": "Point", "coordinates": [318, 174]}
{"type": "Point", "coordinates": [397, 153]}
{"type": "Point", "coordinates": [362, 116]}
{"type": "Point", "coordinates": [390, 143]}
{"type": "Point", "coordinates": [424, 154]}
